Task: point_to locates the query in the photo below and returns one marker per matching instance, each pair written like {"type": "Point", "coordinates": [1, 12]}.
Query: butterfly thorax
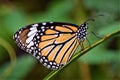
{"type": "Point", "coordinates": [82, 31]}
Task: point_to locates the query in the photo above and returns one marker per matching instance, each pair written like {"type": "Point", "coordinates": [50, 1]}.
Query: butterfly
{"type": "Point", "coordinates": [52, 43]}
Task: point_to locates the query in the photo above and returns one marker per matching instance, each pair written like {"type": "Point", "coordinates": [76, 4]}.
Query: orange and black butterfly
{"type": "Point", "coordinates": [52, 43]}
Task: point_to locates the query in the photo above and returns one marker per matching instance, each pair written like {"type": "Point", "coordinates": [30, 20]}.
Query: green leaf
{"type": "Point", "coordinates": [103, 5]}
{"type": "Point", "coordinates": [22, 66]}
{"type": "Point", "coordinates": [105, 54]}
{"type": "Point", "coordinates": [57, 11]}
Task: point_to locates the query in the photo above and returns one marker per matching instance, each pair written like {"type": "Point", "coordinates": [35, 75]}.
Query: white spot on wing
{"type": "Point", "coordinates": [42, 27]}
{"type": "Point", "coordinates": [38, 37]}
{"type": "Point", "coordinates": [51, 22]}
{"type": "Point", "coordinates": [43, 23]}
{"type": "Point", "coordinates": [43, 30]}
{"type": "Point", "coordinates": [32, 32]}
{"type": "Point", "coordinates": [41, 33]}
{"type": "Point", "coordinates": [30, 44]}
{"type": "Point", "coordinates": [38, 57]}
{"type": "Point", "coordinates": [32, 28]}
{"type": "Point", "coordinates": [45, 64]}
{"type": "Point", "coordinates": [35, 25]}
{"type": "Point", "coordinates": [15, 36]}
{"type": "Point", "coordinates": [52, 27]}
{"type": "Point", "coordinates": [30, 38]}
{"type": "Point", "coordinates": [48, 66]}
{"type": "Point", "coordinates": [34, 54]}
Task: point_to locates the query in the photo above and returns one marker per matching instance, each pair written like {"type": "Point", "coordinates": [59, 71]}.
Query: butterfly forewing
{"type": "Point", "coordinates": [52, 43]}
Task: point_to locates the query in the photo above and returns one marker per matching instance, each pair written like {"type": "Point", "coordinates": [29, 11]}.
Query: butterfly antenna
{"type": "Point", "coordinates": [93, 18]}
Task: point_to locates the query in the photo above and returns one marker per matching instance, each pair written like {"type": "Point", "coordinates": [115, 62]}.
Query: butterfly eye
{"type": "Point", "coordinates": [52, 43]}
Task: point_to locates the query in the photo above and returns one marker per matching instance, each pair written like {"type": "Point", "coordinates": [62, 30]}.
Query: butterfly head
{"type": "Point", "coordinates": [82, 30]}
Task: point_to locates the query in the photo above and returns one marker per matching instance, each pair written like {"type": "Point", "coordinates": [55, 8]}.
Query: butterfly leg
{"type": "Point", "coordinates": [82, 46]}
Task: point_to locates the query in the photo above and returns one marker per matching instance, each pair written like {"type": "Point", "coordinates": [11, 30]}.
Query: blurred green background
{"type": "Point", "coordinates": [101, 63]}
